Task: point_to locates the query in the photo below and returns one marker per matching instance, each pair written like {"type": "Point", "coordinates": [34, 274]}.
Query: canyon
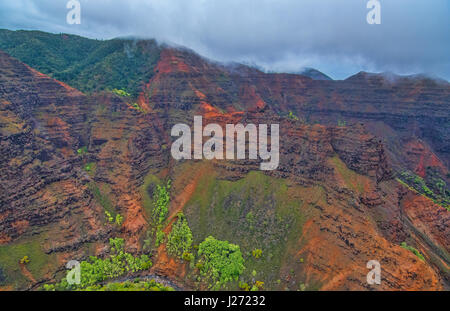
{"type": "Point", "coordinates": [363, 167]}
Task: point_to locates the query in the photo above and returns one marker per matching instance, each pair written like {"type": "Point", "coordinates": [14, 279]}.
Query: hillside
{"type": "Point", "coordinates": [363, 170]}
{"type": "Point", "coordinates": [86, 64]}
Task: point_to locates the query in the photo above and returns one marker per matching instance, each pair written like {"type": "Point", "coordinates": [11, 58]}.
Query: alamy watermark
{"type": "Point", "coordinates": [374, 15]}
{"type": "Point", "coordinates": [74, 14]}
{"type": "Point", "coordinates": [374, 275]}
{"type": "Point", "coordinates": [74, 275]}
{"type": "Point", "coordinates": [213, 148]}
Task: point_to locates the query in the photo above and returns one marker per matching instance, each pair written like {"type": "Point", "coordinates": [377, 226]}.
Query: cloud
{"type": "Point", "coordinates": [281, 35]}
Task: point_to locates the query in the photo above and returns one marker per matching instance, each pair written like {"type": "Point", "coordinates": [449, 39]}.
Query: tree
{"type": "Point", "coordinates": [180, 238]}
{"type": "Point", "coordinates": [222, 261]}
{"type": "Point", "coordinates": [161, 202]}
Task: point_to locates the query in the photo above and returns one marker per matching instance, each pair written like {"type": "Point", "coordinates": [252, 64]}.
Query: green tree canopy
{"type": "Point", "coordinates": [222, 261]}
{"type": "Point", "coordinates": [180, 238]}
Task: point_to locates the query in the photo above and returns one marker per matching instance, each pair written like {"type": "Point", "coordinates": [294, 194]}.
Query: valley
{"type": "Point", "coordinates": [85, 141]}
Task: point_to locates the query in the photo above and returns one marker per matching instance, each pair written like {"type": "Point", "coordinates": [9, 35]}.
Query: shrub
{"type": "Point", "coordinates": [109, 217]}
{"type": "Point", "coordinates": [119, 220]}
{"type": "Point", "coordinates": [121, 93]}
{"type": "Point", "coordinates": [25, 259]}
{"type": "Point", "coordinates": [222, 261]}
{"type": "Point", "coordinates": [257, 253]}
{"type": "Point", "coordinates": [292, 116]}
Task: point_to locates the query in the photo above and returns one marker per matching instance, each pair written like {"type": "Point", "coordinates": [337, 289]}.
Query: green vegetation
{"type": "Point", "coordinates": [121, 93]}
{"type": "Point", "coordinates": [179, 241]}
{"type": "Point", "coordinates": [250, 217]}
{"type": "Point", "coordinates": [89, 167]}
{"type": "Point", "coordinates": [155, 199]}
{"type": "Point", "coordinates": [221, 261]}
{"type": "Point", "coordinates": [30, 250]}
{"type": "Point", "coordinates": [146, 286]}
{"type": "Point", "coordinates": [136, 285]}
{"type": "Point", "coordinates": [160, 237]}
{"type": "Point", "coordinates": [255, 212]}
{"type": "Point", "coordinates": [352, 179]}
{"type": "Point", "coordinates": [137, 107]}
{"type": "Point", "coordinates": [433, 188]}
{"type": "Point", "coordinates": [159, 208]}
{"type": "Point", "coordinates": [187, 256]}
{"type": "Point", "coordinates": [82, 150]}
{"type": "Point", "coordinates": [96, 270]}
{"type": "Point", "coordinates": [86, 64]}
{"type": "Point", "coordinates": [109, 217]}
{"type": "Point", "coordinates": [118, 220]}
{"type": "Point", "coordinates": [257, 253]}
{"type": "Point", "coordinates": [292, 116]}
{"type": "Point", "coordinates": [244, 286]}
{"type": "Point", "coordinates": [146, 191]}
{"type": "Point", "coordinates": [161, 199]}
{"type": "Point", "coordinates": [259, 285]}
{"type": "Point", "coordinates": [413, 250]}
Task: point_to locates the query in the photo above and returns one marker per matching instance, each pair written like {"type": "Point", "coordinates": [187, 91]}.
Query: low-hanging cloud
{"type": "Point", "coordinates": [278, 35]}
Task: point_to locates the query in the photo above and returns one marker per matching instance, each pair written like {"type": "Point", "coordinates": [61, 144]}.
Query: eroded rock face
{"type": "Point", "coordinates": [45, 187]}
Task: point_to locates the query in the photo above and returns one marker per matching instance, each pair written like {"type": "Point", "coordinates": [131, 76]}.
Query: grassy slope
{"type": "Point", "coordinates": [256, 212]}
{"type": "Point", "coordinates": [40, 263]}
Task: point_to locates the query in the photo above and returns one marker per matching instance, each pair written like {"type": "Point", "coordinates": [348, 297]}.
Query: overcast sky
{"type": "Point", "coordinates": [280, 35]}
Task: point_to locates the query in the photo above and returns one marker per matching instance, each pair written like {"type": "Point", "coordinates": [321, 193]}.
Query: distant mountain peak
{"type": "Point", "coordinates": [391, 77]}
{"type": "Point", "coordinates": [314, 74]}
